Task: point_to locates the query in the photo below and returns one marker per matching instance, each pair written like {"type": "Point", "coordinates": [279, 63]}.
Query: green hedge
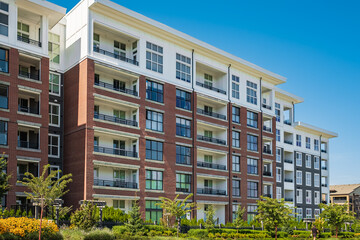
{"type": "Point", "coordinates": [346, 235]}
{"type": "Point", "coordinates": [99, 235]}
{"type": "Point", "coordinates": [198, 233]}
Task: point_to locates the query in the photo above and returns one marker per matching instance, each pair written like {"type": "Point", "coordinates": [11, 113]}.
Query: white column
{"type": "Point", "coordinates": [44, 34]}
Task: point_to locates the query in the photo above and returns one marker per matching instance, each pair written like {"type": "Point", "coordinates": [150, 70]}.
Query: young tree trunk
{"type": "Point", "coordinates": [41, 216]}
{"type": "Point", "coordinates": [178, 226]}
{"type": "Point", "coordinates": [336, 233]}
{"type": "Point", "coordinates": [275, 232]}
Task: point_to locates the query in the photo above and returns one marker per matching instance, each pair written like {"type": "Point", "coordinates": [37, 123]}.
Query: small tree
{"type": "Point", "coordinates": [239, 220]}
{"type": "Point", "coordinates": [273, 213]}
{"type": "Point", "coordinates": [85, 217]}
{"type": "Point", "coordinates": [45, 189]}
{"type": "Point", "coordinates": [319, 223]}
{"type": "Point", "coordinates": [176, 208]}
{"type": "Point", "coordinates": [135, 223]}
{"type": "Point", "coordinates": [4, 178]}
{"type": "Point", "coordinates": [336, 215]}
{"type": "Point", "coordinates": [210, 217]}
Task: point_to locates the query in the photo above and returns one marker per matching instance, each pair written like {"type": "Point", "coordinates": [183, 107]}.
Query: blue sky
{"type": "Point", "coordinates": [315, 44]}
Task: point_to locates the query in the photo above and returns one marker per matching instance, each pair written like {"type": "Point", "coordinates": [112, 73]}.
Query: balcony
{"type": "Point", "coordinates": [266, 150]}
{"type": "Point", "coordinates": [211, 139]}
{"type": "Point", "coordinates": [289, 199]}
{"type": "Point", "coordinates": [211, 78]}
{"type": "Point", "coordinates": [288, 180]}
{"type": "Point", "coordinates": [116, 56]}
{"type": "Point", "coordinates": [184, 190]}
{"type": "Point", "coordinates": [211, 165]}
{"type": "Point", "coordinates": [211, 191]}
{"type": "Point", "coordinates": [28, 103]}
{"type": "Point", "coordinates": [288, 161]}
{"type": "Point", "coordinates": [23, 167]}
{"type": "Point", "coordinates": [114, 88]}
{"type": "Point", "coordinates": [267, 195]}
{"type": "Point", "coordinates": [29, 27]}
{"type": "Point", "coordinates": [287, 122]}
{"type": "Point", "coordinates": [324, 185]}
{"type": "Point", "coordinates": [324, 168]}
{"type": "Point", "coordinates": [211, 114]}
{"type": "Point", "coordinates": [210, 87]}
{"type": "Point", "coordinates": [28, 40]}
{"type": "Point", "coordinates": [115, 119]}
{"type": "Point", "coordinates": [323, 151]}
{"type": "Point", "coordinates": [267, 174]}
{"type": "Point", "coordinates": [267, 129]}
{"type": "Point", "coordinates": [28, 138]}
{"type": "Point", "coordinates": [29, 67]}
{"type": "Point", "coordinates": [115, 183]}
{"type": "Point", "coordinates": [115, 151]}
{"type": "Point", "coordinates": [266, 106]}
{"type": "Point", "coordinates": [288, 142]}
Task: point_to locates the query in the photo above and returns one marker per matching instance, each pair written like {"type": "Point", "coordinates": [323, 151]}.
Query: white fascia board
{"type": "Point", "coordinates": [320, 131]}
{"type": "Point", "coordinates": [296, 99]}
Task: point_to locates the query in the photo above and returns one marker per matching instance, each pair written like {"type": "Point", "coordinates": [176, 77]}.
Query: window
{"type": "Point", "coordinates": [278, 155]}
{"type": "Point", "coordinates": [252, 142]}
{"type": "Point", "coordinates": [236, 188]}
{"type": "Point", "coordinates": [23, 31]}
{"type": "Point", "coordinates": [308, 196]}
{"type": "Point", "coordinates": [308, 161]}
{"type": "Point", "coordinates": [235, 139]}
{"type": "Point", "coordinates": [154, 180]}
{"type": "Point", "coordinates": [154, 150]}
{"type": "Point", "coordinates": [154, 121]}
{"type": "Point", "coordinates": [236, 114]}
{"type": "Point", "coordinates": [208, 80]}
{"type": "Point", "coordinates": [54, 145]}
{"type": "Point", "coordinates": [235, 87]}
{"type": "Point", "coordinates": [4, 96]}
{"type": "Point", "coordinates": [183, 99]}
{"type": "Point", "coordinates": [235, 208]}
{"type": "Point", "coordinates": [54, 48]}
{"type": "Point", "coordinates": [54, 114]}
{"type": "Point", "coordinates": [183, 155]}
{"type": "Point", "coordinates": [252, 119]}
{"type": "Point", "coordinates": [316, 144]}
{"type": "Point", "coordinates": [316, 180]}
{"type": "Point", "coordinates": [298, 159]}
{"type": "Point", "coordinates": [278, 135]}
{"type": "Point", "coordinates": [316, 162]}
{"type": "Point", "coordinates": [119, 50]}
{"type": "Point", "coordinates": [252, 189]}
{"type": "Point", "coordinates": [119, 204]}
{"type": "Point", "coordinates": [183, 127]}
{"type": "Point", "coordinates": [299, 196]}
{"type": "Point", "coordinates": [278, 193]}
{"type": "Point", "coordinates": [316, 213]}
{"type": "Point", "coordinates": [308, 179]}
{"type": "Point", "coordinates": [154, 57]}
{"type": "Point", "coordinates": [4, 18]}
{"type": "Point", "coordinates": [183, 67]}
{"type": "Point", "coordinates": [316, 197]}
{"type": "Point", "coordinates": [236, 163]}
{"type": "Point", "coordinates": [298, 140]}
{"type": "Point", "coordinates": [299, 177]}
{"type": "Point", "coordinates": [277, 112]}
{"type": "Point", "coordinates": [252, 166]}
{"type": "Point", "coordinates": [54, 84]}
{"type": "Point", "coordinates": [4, 57]}
{"type": "Point", "coordinates": [299, 214]}
{"type": "Point", "coordinates": [183, 182]}
{"type": "Point", "coordinates": [251, 92]}
{"type": "Point", "coordinates": [3, 133]}
{"type": "Point", "coordinates": [308, 144]}
{"type": "Point", "coordinates": [251, 212]}
{"type": "Point", "coordinates": [153, 212]}
{"type": "Point", "coordinates": [154, 91]}
{"type": "Point", "coordinates": [278, 174]}
{"type": "Point", "coordinates": [96, 41]}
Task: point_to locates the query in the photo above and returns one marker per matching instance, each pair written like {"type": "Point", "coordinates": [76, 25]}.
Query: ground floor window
{"type": "Point", "coordinates": [152, 211]}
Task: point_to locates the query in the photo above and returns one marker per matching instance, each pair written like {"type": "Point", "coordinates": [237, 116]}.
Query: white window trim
{"type": "Point", "coordinates": [310, 210]}
{"type": "Point", "coordinates": [318, 160]}
{"type": "Point", "coordinates": [306, 179]}
{"type": "Point", "coordinates": [278, 176]}
{"type": "Point", "coordinates": [297, 182]}
{"type": "Point", "coordinates": [278, 193]}
{"type": "Point", "coordinates": [317, 199]}
{"type": "Point", "coordinates": [308, 198]}
{"type": "Point", "coordinates": [58, 154]}
{"type": "Point", "coordinates": [298, 165]}
{"type": "Point", "coordinates": [58, 168]}
{"type": "Point", "coordinates": [307, 156]}
{"type": "Point", "coordinates": [55, 125]}
{"type": "Point", "coordinates": [300, 197]}
{"type": "Point", "coordinates": [54, 94]}
{"type": "Point", "coordinates": [316, 184]}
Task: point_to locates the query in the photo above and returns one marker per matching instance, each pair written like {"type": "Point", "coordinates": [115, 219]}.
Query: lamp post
{"type": "Point", "coordinates": [58, 203]}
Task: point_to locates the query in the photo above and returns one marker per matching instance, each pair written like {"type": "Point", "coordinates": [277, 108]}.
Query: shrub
{"type": "Point", "coordinates": [155, 228]}
{"type": "Point", "coordinates": [325, 235]}
{"type": "Point", "coordinates": [44, 236]}
{"type": "Point", "coordinates": [199, 233]}
{"type": "Point", "coordinates": [72, 234]}
{"type": "Point", "coordinates": [85, 217]}
{"type": "Point", "coordinates": [119, 230]}
{"type": "Point", "coordinates": [346, 235]}
{"type": "Point", "coordinates": [10, 236]}
{"type": "Point", "coordinates": [99, 235]}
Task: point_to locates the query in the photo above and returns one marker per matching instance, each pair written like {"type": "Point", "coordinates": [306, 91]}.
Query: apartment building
{"type": "Point", "coordinates": [346, 194]}
{"type": "Point", "coordinates": [136, 110]}
{"type": "Point", "coordinates": [29, 125]}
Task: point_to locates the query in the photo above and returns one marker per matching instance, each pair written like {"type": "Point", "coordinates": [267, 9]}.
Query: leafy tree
{"type": "Point", "coordinates": [210, 217]}
{"type": "Point", "coordinates": [273, 213]}
{"type": "Point", "coordinates": [45, 188]}
{"type": "Point", "coordinates": [336, 215]}
{"type": "Point", "coordinates": [239, 220]}
{"type": "Point", "coordinates": [176, 208]}
{"type": "Point", "coordinates": [135, 223]}
{"type": "Point", "coordinates": [319, 223]}
{"type": "Point", "coordinates": [4, 178]}
{"type": "Point", "coordinates": [85, 217]}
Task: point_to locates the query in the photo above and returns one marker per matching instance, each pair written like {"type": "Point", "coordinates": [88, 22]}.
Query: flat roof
{"type": "Point", "coordinates": [282, 94]}
{"type": "Point", "coordinates": [314, 130]}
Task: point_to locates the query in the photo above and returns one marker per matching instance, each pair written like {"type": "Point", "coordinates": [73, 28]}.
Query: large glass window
{"type": "Point", "coordinates": [183, 99]}
{"type": "Point", "coordinates": [4, 19]}
{"type": "Point", "coordinates": [278, 136]}
{"type": "Point", "coordinates": [153, 212]}
{"type": "Point", "coordinates": [183, 127]}
{"type": "Point", "coordinates": [3, 133]}
{"type": "Point", "coordinates": [183, 155]}
{"type": "Point", "coordinates": [236, 188]}
{"type": "Point", "coordinates": [308, 161]}
{"type": "Point", "coordinates": [235, 139]}
{"type": "Point", "coordinates": [154, 150]}
{"type": "Point", "coordinates": [235, 163]}
{"type": "Point", "coordinates": [154, 120]}
{"type": "Point", "coordinates": [183, 68]}
{"type": "Point", "coordinates": [54, 114]}
{"type": "Point", "coordinates": [252, 142]}
{"type": "Point", "coordinates": [154, 57]}
{"type": "Point", "coordinates": [251, 89]}
{"type": "Point", "coordinates": [235, 87]}
{"type": "Point", "coordinates": [316, 163]}
{"type": "Point", "coordinates": [316, 144]}
{"type": "Point", "coordinates": [154, 180]}
{"type": "Point", "coordinates": [299, 196]}
{"type": "Point", "coordinates": [4, 96]}
{"type": "Point", "coordinates": [308, 179]}
{"type": "Point", "coordinates": [278, 155]}
{"type": "Point", "coordinates": [23, 31]}
{"type": "Point", "coordinates": [54, 48]}
{"type": "Point", "coordinates": [154, 91]}
{"type": "Point", "coordinates": [119, 204]}
{"type": "Point", "coordinates": [252, 166]}
{"type": "Point", "coordinates": [298, 140]}
{"type": "Point", "coordinates": [54, 84]}
{"type": "Point", "coordinates": [4, 59]}
{"type": "Point", "coordinates": [236, 114]}
{"type": "Point", "coordinates": [183, 182]}
{"type": "Point", "coordinates": [299, 177]}
{"type": "Point", "coordinates": [252, 189]}
{"type": "Point", "coordinates": [298, 159]}
{"type": "Point", "coordinates": [308, 197]}
{"type": "Point", "coordinates": [308, 143]}
{"type": "Point", "coordinates": [277, 112]}
{"type": "Point", "coordinates": [316, 180]}
{"type": "Point", "coordinates": [278, 174]}
{"type": "Point", "coordinates": [252, 119]}
{"type": "Point", "coordinates": [53, 145]}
